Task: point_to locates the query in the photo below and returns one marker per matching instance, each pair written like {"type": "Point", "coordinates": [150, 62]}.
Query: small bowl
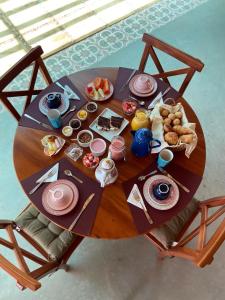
{"type": "Point", "coordinates": [98, 147]}
{"type": "Point", "coordinates": [90, 161]}
{"type": "Point", "coordinates": [67, 131]}
{"type": "Point", "coordinates": [82, 114]}
{"type": "Point", "coordinates": [91, 107]}
{"type": "Point", "coordinates": [75, 124]}
{"type": "Point", "coordinates": [129, 106]}
{"type": "Point", "coordinates": [84, 142]}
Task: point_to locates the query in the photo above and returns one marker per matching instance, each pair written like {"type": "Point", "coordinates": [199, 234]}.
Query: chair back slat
{"type": "Point", "coordinates": [203, 253]}
{"type": "Point", "coordinates": [193, 63]}
{"type": "Point", "coordinates": [206, 254]}
{"type": "Point", "coordinates": [32, 57]}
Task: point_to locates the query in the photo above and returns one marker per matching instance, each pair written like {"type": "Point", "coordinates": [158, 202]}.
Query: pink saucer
{"type": "Point", "coordinates": [60, 197]}
{"type": "Point", "coordinates": [135, 89]}
{"type": "Point", "coordinates": [168, 203]}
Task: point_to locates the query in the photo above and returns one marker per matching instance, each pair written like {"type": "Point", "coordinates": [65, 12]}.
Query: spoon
{"type": "Point", "coordinates": [69, 173]}
{"type": "Point", "coordinates": [139, 101]}
{"type": "Point", "coordinates": [73, 108]}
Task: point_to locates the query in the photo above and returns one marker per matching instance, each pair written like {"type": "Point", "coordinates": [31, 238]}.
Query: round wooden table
{"type": "Point", "coordinates": [113, 218]}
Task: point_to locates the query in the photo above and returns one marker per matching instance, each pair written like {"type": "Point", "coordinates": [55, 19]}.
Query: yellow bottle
{"type": "Point", "coordinates": [140, 120]}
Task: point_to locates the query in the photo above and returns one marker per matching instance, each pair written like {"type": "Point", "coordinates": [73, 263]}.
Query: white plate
{"type": "Point", "coordinates": [65, 103]}
{"type": "Point", "coordinates": [166, 204]}
{"type": "Point", "coordinates": [108, 135]}
{"type": "Point", "coordinates": [106, 97]}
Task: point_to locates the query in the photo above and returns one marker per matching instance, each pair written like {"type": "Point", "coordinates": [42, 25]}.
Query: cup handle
{"type": "Point", "coordinates": [155, 140]}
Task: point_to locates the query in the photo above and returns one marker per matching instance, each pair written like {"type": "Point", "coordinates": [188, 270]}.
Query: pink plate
{"type": "Point", "coordinates": [170, 202]}
{"type": "Point", "coordinates": [72, 194]}
{"type": "Point", "coordinates": [143, 94]}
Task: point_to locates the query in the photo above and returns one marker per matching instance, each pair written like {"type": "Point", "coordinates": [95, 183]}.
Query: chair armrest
{"type": "Point", "coordinates": [212, 202]}
{"type": "Point", "coordinates": [21, 277]}
{"type": "Point", "coordinates": [4, 223]}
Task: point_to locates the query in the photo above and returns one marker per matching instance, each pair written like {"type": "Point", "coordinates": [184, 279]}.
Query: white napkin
{"type": "Point", "coordinates": [70, 92]}
{"type": "Point", "coordinates": [53, 177]}
{"type": "Point", "coordinates": [131, 197]}
{"type": "Point", "coordinates": [155, 101]}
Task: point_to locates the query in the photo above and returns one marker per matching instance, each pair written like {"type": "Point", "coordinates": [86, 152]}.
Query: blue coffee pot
{"type": "Point", "coordinates": [142, 142]}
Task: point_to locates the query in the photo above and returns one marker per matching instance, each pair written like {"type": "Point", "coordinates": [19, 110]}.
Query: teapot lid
{"type": "Point", "coordinates": [107, 163]}
{"type": "Point", "coordinates": [143, 134]}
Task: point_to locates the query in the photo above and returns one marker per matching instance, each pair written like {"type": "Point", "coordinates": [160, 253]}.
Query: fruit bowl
{"type": "Point", "coordinates": [129, 106]}
{"type": "Point", "coordinates": [100, 89]}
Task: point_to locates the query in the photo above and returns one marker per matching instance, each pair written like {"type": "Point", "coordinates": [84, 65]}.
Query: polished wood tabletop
{"type": "Point", "coordinates": [113, 219]}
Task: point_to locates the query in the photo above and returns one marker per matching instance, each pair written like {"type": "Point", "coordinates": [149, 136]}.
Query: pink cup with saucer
{"type": "Point", "coordinates": [60, 197]}
{"type": "Point", "coordinates": [143, 84]}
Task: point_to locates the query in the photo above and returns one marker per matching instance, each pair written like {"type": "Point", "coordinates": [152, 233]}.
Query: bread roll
{"type": "Point", "coordinates": [167, 128]}
{"type": "Point", "coordinates": [186, 138]}
{"type": "Point", "coordinates": [178, 114]}
{"type": "Point", "coordinates": [176, 121]}
{"type": "Point", "coordinates": [171, 116]}
{"type": "Point", "coordinates": [185, 130]}
{"type": "Point", "coordinates": [171, 138]}
{"type": "Point", "coordinates": [164, 113]}
{"type": "Point", "coordinates": [177, 129]}
{"type": "Point", "coordinates": [167, 121]}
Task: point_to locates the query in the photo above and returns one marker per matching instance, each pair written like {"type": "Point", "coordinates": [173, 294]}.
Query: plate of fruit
{"type": "Point", "coordinates": [52, 144]}
{"type": "Point", "coordinates": [100, 89]}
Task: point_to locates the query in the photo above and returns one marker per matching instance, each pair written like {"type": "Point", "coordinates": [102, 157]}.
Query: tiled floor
{"type": "Point", "coordinates": [128, 269]}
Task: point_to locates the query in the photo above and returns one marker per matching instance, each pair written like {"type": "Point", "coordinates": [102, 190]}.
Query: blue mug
{"type": "Point", "coordinates": [162, 190]}
{"type": "Point", "coordinates": [165, 156]}
{"type": "Point", "coordinates": [53, 100]}
{"type": "Point", "coordinates": [54, 118]}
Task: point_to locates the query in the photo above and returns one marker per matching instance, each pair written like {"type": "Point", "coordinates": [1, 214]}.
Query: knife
{"type": "Point", "coordinates": [129, 78]}
{"type": "Point", "coordinates": [158, 97]}
{"type": "Point", "coordinates": [175, 180]}
{"type": "Point", "coordinates": [87, 201]}
{"type": "Point", "coordinates": [40, 123]}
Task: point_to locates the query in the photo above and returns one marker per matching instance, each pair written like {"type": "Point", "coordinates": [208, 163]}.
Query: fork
{"type": "Point", "coordinates": [42, 181]}
{"type": "Point", "coordinates": [141, 178]}
{"type": "Point", "coordinates": [138, 199]}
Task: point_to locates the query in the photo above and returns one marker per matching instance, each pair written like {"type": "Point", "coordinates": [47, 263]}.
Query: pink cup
{"type": "Point", "coordinates": [143, 84]}
{"type": "Point", "coordinates": [60, 197]}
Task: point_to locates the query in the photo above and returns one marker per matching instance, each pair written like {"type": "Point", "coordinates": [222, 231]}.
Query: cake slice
{"type": "Point", "coordinates": [116, 122]}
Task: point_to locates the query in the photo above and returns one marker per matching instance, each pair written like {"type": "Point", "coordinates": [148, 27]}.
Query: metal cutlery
{"type": "Point", "coordinates": [128, 80]}
{"type": "Point", "coordinates": [69, 173]}
{"type": "Point", "coordinates": [139, 101]}
{"type": "Point", "coordinates": [87, 201]}
{"type": "Point", "coordinates": [141, 178]}
{"type": "Point", "coordinates": [138, 199]}
{"type": "Point", "coordinates": [70, 93]}
{"type": "Point", "coordinates": [37, 121]}
{"type": "Point", "coordinates": [157, 98]}
{"type": "Point", "coordinates": [73, 108]}
{"type": "Point", "coordinates": [50, 174]}
{"type": "Point", "coordinates": [164, 172]}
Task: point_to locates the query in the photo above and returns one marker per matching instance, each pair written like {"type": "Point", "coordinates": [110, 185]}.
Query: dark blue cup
{"type": "Point", "coordinates": [53, 100]}
{"type": "Point", "coordinates": [162, 190]}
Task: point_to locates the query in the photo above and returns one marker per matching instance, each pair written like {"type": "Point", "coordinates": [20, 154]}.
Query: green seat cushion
{"type": "Point", "coordinates": [168, 232]}
{"type": "Point", "coordinates": [52, 238]}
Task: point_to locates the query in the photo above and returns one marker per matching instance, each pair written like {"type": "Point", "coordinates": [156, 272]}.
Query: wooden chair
{"type": "Point", "coordinates": [193, 64]}
{"type": "Point", "coordinates": [53, 243]}
{"type": "Point", "coordinates": [32, 57]}
{"type": "Point", "coordinates": [171, 239]}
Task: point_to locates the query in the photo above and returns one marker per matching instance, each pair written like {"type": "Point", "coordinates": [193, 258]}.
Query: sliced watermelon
{"type": "Point", "coordinates": [106, 87]}
{"type": "Point", "coordinates": [98, 83]}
